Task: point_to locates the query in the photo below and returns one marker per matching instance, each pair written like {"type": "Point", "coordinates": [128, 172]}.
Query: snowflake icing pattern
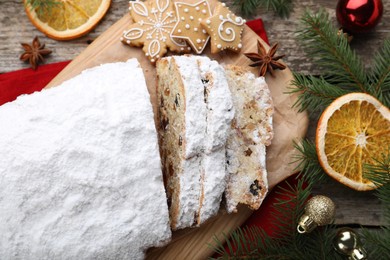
{"type": "Point", "coordinates": [154, 21]}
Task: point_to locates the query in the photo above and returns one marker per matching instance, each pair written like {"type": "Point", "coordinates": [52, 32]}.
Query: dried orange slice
{"type": "Point", "coordinates": [352, 131]}
{"type": "Point", "coordinates": [66, 19]}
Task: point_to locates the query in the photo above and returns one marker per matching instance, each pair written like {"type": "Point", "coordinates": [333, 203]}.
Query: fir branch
{"type": "Point", "coordinates": [280, 7]}
{"type": "Point", "coordinates": [332, 52]}
{"type": "Point", "coordinates": [308, 165]}
{"type": "Point", "coordinates": [254, 243]}
{"type": "Point", "coordinates": [286, 242]}
{"type": "Point", "coordinates": [248, 8]}
{"type": "Point", "coordinates": [315, 93]}
{"type": "Point", "coordinates": [42, 5]}
{"type": "Point", "coordinates": [380, 74]}
{"type": "Point", "coordinates": [378, 242]}
{"type": "Point", "coordinates": [289, 207]}
{"type": "Point", "coordinates": [379, 173]}
{"type": "Point", "coordinates": [319, 244]}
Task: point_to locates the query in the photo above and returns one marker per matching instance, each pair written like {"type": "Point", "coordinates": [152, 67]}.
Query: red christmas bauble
{"type": "Point", "coordinates": [359, 16]}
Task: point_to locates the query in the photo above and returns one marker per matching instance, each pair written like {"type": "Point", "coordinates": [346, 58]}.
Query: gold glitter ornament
{"type": "Point", "coordinates": [319, 211]}
{"type": "Point", "coordinates": [347, 242]}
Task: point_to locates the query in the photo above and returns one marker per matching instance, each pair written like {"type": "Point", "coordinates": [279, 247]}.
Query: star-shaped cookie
{"type": "Point", "coordinates": [188, 24]}
{"type": "Point", "coordinates": [153, 23]}
{"type": "Point", "coordinates": [224, 28]}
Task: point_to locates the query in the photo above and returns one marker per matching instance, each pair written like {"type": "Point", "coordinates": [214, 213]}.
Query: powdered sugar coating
{"type": "Point", "coordinates": [190, 188]}
{"type": "Point", "coordinates": [208, 113]}
{"type": "Point", "coordinates": [80, 174]}
{"type": "Point", "coordinates": [195, 107]}
{"type": "Point", "coordinates": [219, 115]}
{"type": "Point", "coordinates": [195, 127]}
{"type": "Point", "coordinates": [220, 111]}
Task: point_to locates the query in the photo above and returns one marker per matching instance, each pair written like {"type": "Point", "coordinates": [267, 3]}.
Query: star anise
{"type": "Point", "coordinates": [267, 61]}
{"type": "Point", "coordinates": [34, 53]}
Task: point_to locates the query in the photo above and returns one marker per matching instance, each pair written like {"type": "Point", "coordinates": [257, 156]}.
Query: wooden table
{"type": "Point", "coordinates": [352, 208]}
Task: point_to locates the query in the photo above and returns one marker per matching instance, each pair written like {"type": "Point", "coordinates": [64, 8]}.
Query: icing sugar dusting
{"type": "Point", "coordinates": [195, 123]}
{"type": "Point", "coordinates": [220, 113]}
{"type": "Point", "coordinates": [80, 174]}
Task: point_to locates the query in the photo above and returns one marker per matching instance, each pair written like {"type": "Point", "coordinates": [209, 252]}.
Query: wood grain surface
{"type": "Point", "coordinates": [352, 208]}
{"type": "Point", "coordinates": [288, 124]}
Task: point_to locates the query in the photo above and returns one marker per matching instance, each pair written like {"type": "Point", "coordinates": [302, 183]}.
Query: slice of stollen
{"type": "Point", "coordinates": [182, 126]}
{"type": "Point", "coordinates": [195, 111]}
{"type": "Point", "coordinates": [219, 114]}
{"type": "Point", "coordinates": [251, 131]}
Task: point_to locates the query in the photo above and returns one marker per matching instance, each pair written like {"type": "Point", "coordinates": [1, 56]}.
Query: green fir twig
{"type": "Point", "coordinates": [248, 8]}
{"type": "Point", "coordinates": [378, 241]}
{"type": "Point", "coordinates": [314, 93]}
{"type": "Point", "coordinates": [332, 52]}
{"type": "Point", "coordinates": [286, 242]}
{"type": "Point", "coordinates": [254, 243]}
{"type": "Point", "coordinates": [379, 173]}
{"type": "Point", "coordinates": [343, 70]}
{"type": "Point", "coordinates": [380, 74]}
{"type": "Point", "coordinates": [307, 163]}
{"type": "Point", "coordinates": [41, 6]}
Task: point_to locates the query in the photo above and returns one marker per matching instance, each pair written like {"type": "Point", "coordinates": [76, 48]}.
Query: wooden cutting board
{"type": "Point", "coordinates": [289, 125]}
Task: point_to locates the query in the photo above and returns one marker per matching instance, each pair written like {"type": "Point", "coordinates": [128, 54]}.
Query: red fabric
{"type": "Point", "coordinates": [258, 27]}
{"type": "Point", "coordinates": [27, 81]}
{"type": "Point", "coordinates": [266, 216]}
{"type": "Point", "coordinates": [262, 217]}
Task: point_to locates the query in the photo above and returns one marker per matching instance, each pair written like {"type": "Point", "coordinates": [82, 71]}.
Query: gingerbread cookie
{"type": "Point", "coordinates": [153, 23]}
{"type": "Point", "coordinates": [188, 24]}
{"type": "Point", "coordinates": [225, 29]}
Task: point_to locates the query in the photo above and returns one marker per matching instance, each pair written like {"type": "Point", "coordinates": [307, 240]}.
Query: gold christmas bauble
{"type": "Point", "coordinates": [319, 211]}
{"type": "Point", "coordinates": [347, 242]}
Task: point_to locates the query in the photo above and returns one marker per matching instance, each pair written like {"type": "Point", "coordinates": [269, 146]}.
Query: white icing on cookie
{"type": "Point", "coordinates": [154, 21]}
{"type": "Point", "coordinates": [229, 30]}
{"type": "Point", "coordinates": [191, 16]}
{"type": "Point", "coordinates": [224, 28]}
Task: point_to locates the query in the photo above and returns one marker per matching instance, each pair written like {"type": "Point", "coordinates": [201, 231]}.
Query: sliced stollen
{"type": "Point", "coordinates": [80, 173]}
{"type": "Point", "coordinates": [182, 126]}
{"type": "Point", "coordinates": [195, 111]}
{"type": "Point", "coordinates": [251, 131]}
{"type": "Point", "coordinates": [220, 112]}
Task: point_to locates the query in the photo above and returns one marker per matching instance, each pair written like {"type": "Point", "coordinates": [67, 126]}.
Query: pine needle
{"type": "Point", "coordinates": [315, 93]}
{"type": "Point", "coordinates": [343, 70]}
{"type": "Point", "coordinates": [248, 8]}
{"type": "Point", "coordinates": [332, 53]}
{"type": "Point", "coordinates": [286, 242]}
{"type": "Point", "coordinates": [379, 173]}
{"type": "Point", "coordinates": [380, 75]}
{"type": "Point", "coordinates": [42, 5]}
{"type": "Point", "coordinates": [280, 7]}
{"type": "Point", "coordinates": [308, 165]}
{"type": "Point", "coordinates": [378, 242]}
